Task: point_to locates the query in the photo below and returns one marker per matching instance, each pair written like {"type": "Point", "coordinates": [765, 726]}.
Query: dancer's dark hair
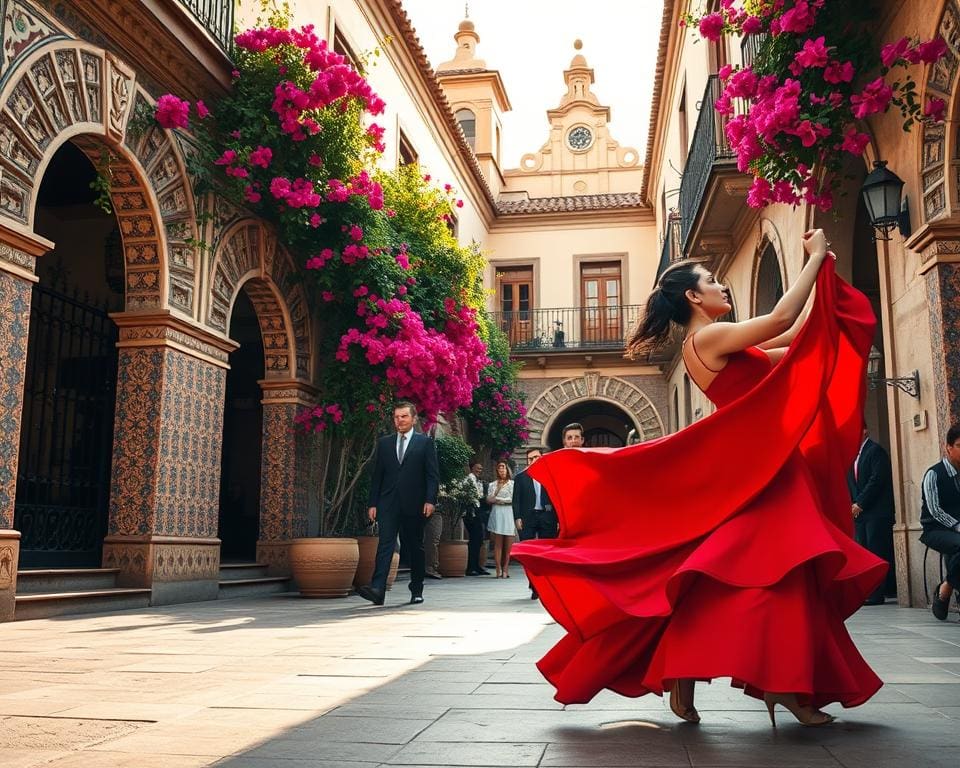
{"type": "Point", "coordinates": [667, 303]}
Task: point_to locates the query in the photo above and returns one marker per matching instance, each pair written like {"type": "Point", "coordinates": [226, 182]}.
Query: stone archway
{"type": "Point", "coordinates": [69, 90]}
{"type": "Point", "coordinates": [246, 254]}
{"type": "Point", "coordinates": [594, 386]}
{"type": "Point", "coordinates": [246, 258]}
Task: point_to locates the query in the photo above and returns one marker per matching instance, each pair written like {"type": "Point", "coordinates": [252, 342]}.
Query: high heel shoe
{"type": "Point", "coordinates": [684, 712]}
{"type": "Point", "coordinates": [808, 716]}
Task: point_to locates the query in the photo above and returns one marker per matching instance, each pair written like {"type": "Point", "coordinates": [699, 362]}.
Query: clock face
{"type": "Point", "coordinates": [579, 137]}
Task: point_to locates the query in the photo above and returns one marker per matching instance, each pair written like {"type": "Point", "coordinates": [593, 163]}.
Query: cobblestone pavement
{"type": "Point", "coordinates": [284, 682]}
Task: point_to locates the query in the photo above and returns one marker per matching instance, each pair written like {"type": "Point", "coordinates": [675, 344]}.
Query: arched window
{"type": "Point", "coordinates": [676, 410]}
{"type": "Point", "coordinates": [687, 401]}
{"type": "Point", "coordinates": [468, 124]}
{"type": "Point", "coordinates": [769, 281]}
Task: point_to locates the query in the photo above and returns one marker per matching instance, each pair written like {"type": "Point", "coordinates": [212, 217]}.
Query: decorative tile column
{"type": "Point", "coordinates": [289, 474]}
{"type": "Point", "coordinates": [165, 483]}
{"type": "Point", "coordinates": [18, 254]}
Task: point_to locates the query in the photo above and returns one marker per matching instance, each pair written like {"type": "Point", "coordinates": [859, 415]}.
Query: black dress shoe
{"type": "Point", "coordinates": [534, 595]}
{"type": "Point", "coordinates": [482, 572]}
{"type": "Point", "coordinates": [416, 599]}
{"type": "Point", "coordinates": [367, 592]}
{"type": "Point", "coordinates": [939, 606]}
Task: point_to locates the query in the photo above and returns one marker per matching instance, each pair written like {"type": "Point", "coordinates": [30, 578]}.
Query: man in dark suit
{"type": "Point", "coordinates": [403, 492]}
{"type": "Point", "coordinates": [870, 482]}
{"type": "Point", "coordinates": [532, 511]}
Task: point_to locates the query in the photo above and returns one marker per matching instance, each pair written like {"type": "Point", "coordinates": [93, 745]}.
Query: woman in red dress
{"type": "Point", "coordinates": [734, 555]}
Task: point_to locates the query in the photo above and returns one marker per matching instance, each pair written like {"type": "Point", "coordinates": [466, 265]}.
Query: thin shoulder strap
{"type": "Point", "coordinates": [693, 346]}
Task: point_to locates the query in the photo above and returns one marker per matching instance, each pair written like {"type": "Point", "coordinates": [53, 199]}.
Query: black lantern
{"type": "Point", "coordinates": [881, 194]}
{"type": "Point", "coordinates": [909, 384]}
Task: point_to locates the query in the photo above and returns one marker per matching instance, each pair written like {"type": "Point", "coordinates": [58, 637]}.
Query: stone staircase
{"type": "Point", "coordinates": [250, 580]}
{"type": "Point", "coordinates": [59, 591]}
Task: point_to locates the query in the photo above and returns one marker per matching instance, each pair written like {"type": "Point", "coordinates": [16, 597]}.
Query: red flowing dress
{"type": "Point", "coordinates": [724, 550]}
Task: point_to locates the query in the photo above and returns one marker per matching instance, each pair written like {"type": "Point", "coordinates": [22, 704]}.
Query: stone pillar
{"type": "Point", "coordinates": [18, 254]}
{"type": "Point", "coordinates": [165, 483]}
{"type": "Point", "coordinates": [288, 473]}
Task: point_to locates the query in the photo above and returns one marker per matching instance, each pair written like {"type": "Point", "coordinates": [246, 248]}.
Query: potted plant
{"type": "Point", "coordinates": [453, 458]}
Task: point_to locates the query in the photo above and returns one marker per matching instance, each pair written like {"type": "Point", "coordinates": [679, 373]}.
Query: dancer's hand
{"type": "Point", "coordinates": [815, 243]}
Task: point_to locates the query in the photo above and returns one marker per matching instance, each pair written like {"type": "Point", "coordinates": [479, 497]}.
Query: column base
{"type": "Point", "coordinates": [275, 554]}
{"type": "Point", "coordinates": [9, 562]}
{"type": "Point", "coordinates": [176, 569]}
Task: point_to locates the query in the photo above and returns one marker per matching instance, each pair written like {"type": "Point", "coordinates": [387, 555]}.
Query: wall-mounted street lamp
{"type": "Point", "coordinates": [881, 194]}
{"type": "Point", "coordinates": [909, 384]}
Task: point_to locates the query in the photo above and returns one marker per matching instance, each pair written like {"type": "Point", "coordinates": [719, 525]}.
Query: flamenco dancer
{"type": "Point", "coordinates": [734, 558]}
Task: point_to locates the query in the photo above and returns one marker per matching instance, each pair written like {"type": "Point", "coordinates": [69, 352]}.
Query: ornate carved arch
{"type": "Point", "coordinates": [247, 257]}
{"type": "Point", "coordinates": [594, 386]}
{"type": "Point", "coordinates": [939, 150]}
{"type": "Point", "coordinates": [69, 90]}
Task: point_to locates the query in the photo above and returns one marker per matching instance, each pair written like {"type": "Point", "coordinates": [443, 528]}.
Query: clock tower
{"type": "Point", "coordinates": [478, 99]}
{"type": "Point", "coordinates": [580, 157]}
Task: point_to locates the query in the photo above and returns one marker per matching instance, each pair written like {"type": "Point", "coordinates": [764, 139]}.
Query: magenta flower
{"type": "Point", "coordinates": [261, 156]}
{"type": "Point", "coordinates": [813, 54]}
{"type": "Point", "coordinates": [711, 26]}
{"type": "Point", "coordinates": [854, 142]}
{"type": "Point", "coordinates": [935, 110]}
{"type": "Point", "coordinates": [839, 73]}
{"type": "Point", "coordinates": [202, 111]}
{"type": "Point", "coordinates": [932, 50]}
{"type": "Point", "coordinates": [172, 112]}
{"type": "Point", "coordinates": [891, 53]}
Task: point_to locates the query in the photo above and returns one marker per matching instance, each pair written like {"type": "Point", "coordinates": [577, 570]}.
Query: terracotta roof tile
{"type": "Point", "coordinates": [571, 203]}
{"type": "Point", "coordinates": [467, 71]}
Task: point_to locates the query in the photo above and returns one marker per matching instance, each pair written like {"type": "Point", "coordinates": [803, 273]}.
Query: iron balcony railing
{"type": "Point", "coordinates": [568, 328]}
{"type": "Point", "coordinates": [708, 146]}
{"type": "Point", "coordinates": [216, 16]}
{"type": "Point", "coordinates": [670, 251]}
{"type": "Point", "coordinates": [749, 47]}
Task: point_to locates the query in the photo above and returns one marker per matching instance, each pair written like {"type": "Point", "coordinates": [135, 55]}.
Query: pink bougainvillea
{"type": "Point", "coordinates": [794, 111]}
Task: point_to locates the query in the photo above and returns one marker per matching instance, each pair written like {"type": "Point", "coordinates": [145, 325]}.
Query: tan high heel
{"type": "Point", "coordinates": [684, 712]}
{"type": "Point", "coordinates": [807, 716]}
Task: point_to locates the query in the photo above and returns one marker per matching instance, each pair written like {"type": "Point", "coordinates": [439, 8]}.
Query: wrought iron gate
{"type": "Point", "coordinates": [63, 474]}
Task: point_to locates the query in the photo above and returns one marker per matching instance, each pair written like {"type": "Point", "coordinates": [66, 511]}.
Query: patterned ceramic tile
{"type": "Point", "coordinates": [14, 322]}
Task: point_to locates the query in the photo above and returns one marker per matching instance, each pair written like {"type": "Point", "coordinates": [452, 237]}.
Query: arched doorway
{"type": "Point", "coordinates": [239, 517]}
{"type": "Point", "coordinates": [769, 283]}
{"type": "Point", "coordinates": [605, 425]}
{"type": "Point", "coordinates": [63, 473]}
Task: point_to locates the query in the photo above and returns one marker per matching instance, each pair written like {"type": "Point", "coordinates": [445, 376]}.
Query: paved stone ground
{"type": "Point", "coordinates": [283, 682]}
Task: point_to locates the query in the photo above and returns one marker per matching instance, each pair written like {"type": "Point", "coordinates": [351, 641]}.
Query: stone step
{"type": "Point", "coordinates": [266, 585]}
{"type": "Point", "coordinates": [47, 580]}
{"type": "Point", "coordinates": [239, 571]}
{"type": "Point", "coordinates": [42, 606]}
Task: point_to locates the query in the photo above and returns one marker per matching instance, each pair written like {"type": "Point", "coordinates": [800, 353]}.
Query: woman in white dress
{"type": "Point", "coordinates": [502, 528]}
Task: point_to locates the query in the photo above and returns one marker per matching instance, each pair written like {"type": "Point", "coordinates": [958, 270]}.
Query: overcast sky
{"type": "Point", "coordinates": [531, 43]}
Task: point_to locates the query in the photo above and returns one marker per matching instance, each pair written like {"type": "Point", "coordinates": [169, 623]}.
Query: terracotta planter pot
{"type": "Point", "coordinates": [324, 567]}
{"type": "Point", "coordinates": [453, 558]}
{"type": "Point", "coordinates": [368, 559]}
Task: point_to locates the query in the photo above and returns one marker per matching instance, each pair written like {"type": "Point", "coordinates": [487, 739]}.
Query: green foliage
{"type": "Point", "coordinates": [453, 458]}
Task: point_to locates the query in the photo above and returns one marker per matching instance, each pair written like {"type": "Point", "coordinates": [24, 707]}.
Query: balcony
{"type": "Point", "coordinates": [216, 17]}
{"type": "Point", "coordinates": [568, 329]}
{"type": "Point", "coordinates": [712, 191]}
{"type": "Point", "coordinates": [670, 251]}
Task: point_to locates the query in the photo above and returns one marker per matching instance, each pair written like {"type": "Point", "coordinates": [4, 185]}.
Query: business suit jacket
{"type": "Point", "coordinates": [403, 489]}
{"type": "Point", "coordinates": [872, 489]}
{"type": "Point", "coordinates": [524, 497]}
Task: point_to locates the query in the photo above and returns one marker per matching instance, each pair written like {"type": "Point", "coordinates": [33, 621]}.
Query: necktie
{"type": "Point", "coordinates": [402, 448]}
